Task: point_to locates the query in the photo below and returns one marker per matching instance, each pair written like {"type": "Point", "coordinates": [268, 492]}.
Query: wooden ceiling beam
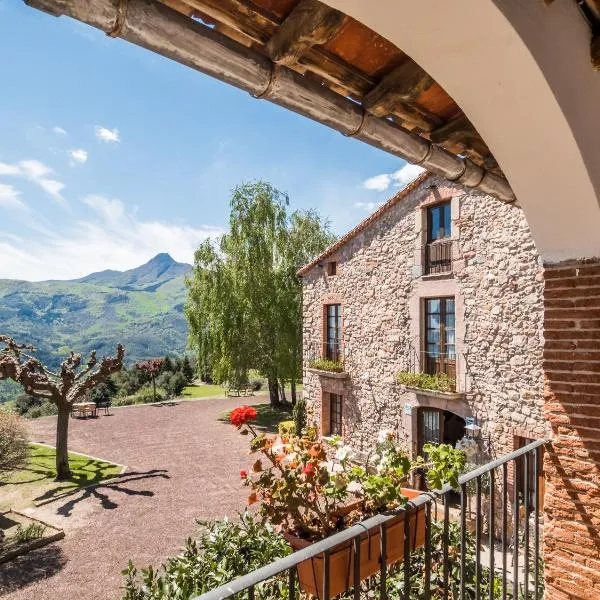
{"type": "Point", "coordinates": [397, 93]}
{"type": "Point", "coordinates": [238, 16]}
{"type": "Point", "coordinates": [460, 131]}
{"type": "Point", "coordinates": [310, 23]}
{"type": "Point", "coordinates": [157, 27]}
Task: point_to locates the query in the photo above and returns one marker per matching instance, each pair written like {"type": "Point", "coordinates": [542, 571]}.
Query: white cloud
{"type": "Point", "coordinates": [111, 238]}
{"type": "Point", "coordinates": [379, 183]}
{"type": "Point", "coordinates": [59, 130]}
{"type": "Point", "coordinates": [6, 169]}
{"type": "Point", "coordinates": [9, 197]}
{"type": "Point", "coordinates": [77, 156]}
{"type": "Point", "coordinates": [36, 171]}
{"type": "Point", "coordinates": [107, 135]}
{"type": "Point", "coordinates": [400, 178]}
{"type": "Point", "coordinates": [368, 206]}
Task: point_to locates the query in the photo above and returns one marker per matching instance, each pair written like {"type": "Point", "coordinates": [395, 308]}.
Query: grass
{"type": "Point", "coordinates": [203, 391]}
{"type": "Point", "coordinates": [267, 417]}
{"type": "Point", "coordinates": [23, 487]}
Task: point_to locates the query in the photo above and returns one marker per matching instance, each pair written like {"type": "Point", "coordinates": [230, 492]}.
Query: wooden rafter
{"type": "Point", "coordinates": [309, 24]}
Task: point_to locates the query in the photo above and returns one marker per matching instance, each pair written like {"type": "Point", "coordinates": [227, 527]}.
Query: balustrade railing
{"type": "Point", "coordinates": [494, 555]}
{"type": "Point", "coordinates": [438, 257]}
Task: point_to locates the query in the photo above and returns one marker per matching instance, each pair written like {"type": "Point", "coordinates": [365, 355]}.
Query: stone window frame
{"type": "Point", "coordinates": [421, 230]}
{"type": "Point", "coordinates": [331, 301]}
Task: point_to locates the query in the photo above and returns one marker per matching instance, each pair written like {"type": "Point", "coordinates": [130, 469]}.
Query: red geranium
{"type": "Point", "coordinates": [309, 469]}
{"type": "Point", "coordinates": [243, 474]}
{"type": "Point", "coordinates": [241, 415]}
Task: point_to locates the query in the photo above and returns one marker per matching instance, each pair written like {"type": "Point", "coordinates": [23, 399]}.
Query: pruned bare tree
{"type": "Point", "coordinates": [70, 384]}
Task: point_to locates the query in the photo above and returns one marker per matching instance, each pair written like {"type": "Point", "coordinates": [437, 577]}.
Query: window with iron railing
{"type": "Point", "coordinates": [439, 340]}
{"type": "Point", "coordinates": [438, 249]}
{"type": "Point", "coordinates": [333, 332]}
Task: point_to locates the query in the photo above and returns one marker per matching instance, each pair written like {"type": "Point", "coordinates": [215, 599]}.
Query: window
{"type": "Point", "coordinates": [436, 426]}
{"type": "Point", "coordinates": [333, 331]}
{"type": "Point", "coordinates": [439, 224]}
{"type": "Point", "coordinates": [438, 249]}
{"type": "Point", "coordinates": [439, 337]}
{"type": "Point", "coordinates": [332, 268]}
{"type": "Point", "coordinates": [335, 414]}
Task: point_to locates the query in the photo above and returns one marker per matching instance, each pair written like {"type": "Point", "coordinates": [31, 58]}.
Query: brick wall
{"type": "Point", "coordinates": [572, 406]}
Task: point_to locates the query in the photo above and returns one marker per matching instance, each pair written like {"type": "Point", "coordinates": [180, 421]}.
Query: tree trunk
{"type": "Point", "coordinates": [62, 435]}
{"type": "Point", "coordinates": [273, 392]}
{"type": "Point", "coordinates": [282, 390]}
{"type": "Point", "coordinates": [153, 388]}
{"type": "Point", "coordinates": [293, 385]}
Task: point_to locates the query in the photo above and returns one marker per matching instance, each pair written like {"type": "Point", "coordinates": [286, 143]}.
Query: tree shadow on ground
{"type": "Point", "coordinates": [267, 416]}
{"type": "Point", "coordinates": [31, 567]}
{"type": "Point", "coordinates": [99, 491]}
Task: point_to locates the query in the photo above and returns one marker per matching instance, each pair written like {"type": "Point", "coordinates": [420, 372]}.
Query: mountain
{"type": "Point", "coordinates": [141, 308]}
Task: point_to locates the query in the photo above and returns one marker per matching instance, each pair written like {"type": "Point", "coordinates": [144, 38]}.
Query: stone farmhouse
{"type": "Point", "coordinates": [439, 280]}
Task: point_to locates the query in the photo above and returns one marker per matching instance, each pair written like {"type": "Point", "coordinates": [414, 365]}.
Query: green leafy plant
{"type": "Point", "coordinates": [444, 464]}
{"type": "Point", "coordinates": [287, 428]}
{"type": "Point", "coordinates": [311, 488]}
{"type": "Point", "coordinates": [33, 531]}
{"type": "Point", "coordinates": [439, 382]}
{"type": "Point", "coordinates": [325, 364]}
{"type": "Point", "coordinates": [299, 414]}
{"type": "Point", "coordinates": [226, 550]}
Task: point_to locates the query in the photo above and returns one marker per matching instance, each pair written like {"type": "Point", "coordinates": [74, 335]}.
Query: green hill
{"type": "Point", "coordinates": [141, 308]}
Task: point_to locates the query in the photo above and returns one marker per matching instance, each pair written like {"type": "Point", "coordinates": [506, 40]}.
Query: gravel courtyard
{"type": "Point", "coordinates": [182, 463]}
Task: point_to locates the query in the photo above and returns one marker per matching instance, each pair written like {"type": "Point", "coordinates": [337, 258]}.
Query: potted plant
{"type": "Point", "coordinates": [310, 489]}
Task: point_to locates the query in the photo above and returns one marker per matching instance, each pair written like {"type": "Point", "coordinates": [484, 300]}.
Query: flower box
{"type": "Point", "coordinates": [341, 558]}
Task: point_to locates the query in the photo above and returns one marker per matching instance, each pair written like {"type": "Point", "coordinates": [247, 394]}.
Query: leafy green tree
{"type": "Point", "coordinates": [244, 302]}
{"type": "Point", "coordinates": [187, 369]}
{"type": "Point", "coordinates": [14, 447]}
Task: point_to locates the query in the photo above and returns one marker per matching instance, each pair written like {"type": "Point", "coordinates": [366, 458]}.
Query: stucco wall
{"type": "Point", "coordinates": [498, 286]}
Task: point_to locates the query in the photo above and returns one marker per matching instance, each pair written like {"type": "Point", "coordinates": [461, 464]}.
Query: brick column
{"type": "Point", "coordinates": [572, 406]}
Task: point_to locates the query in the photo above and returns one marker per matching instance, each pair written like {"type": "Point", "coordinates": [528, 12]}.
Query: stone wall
{"type": "Point", "coordinates": [498, 286]}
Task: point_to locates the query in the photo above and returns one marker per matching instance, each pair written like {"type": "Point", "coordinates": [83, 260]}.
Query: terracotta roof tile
{"type": "Point", "coordinates": [413, 185]}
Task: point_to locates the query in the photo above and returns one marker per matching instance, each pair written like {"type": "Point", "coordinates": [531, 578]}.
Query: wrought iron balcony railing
{"type": "Point", "coordinates": [499, 557]}
{"type": "Point", "coordinates": [437, 257]}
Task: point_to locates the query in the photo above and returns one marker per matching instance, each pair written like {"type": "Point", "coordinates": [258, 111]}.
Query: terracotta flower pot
{"type": "Point", "coordinates": [341, 558]}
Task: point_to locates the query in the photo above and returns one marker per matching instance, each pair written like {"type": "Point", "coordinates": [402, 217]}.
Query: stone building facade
{"type": "Point", "coordinates": [378, 289]}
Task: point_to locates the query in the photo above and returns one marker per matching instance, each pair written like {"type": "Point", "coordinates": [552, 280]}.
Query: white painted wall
{"type": "Point", "coordinates": [522, 74]}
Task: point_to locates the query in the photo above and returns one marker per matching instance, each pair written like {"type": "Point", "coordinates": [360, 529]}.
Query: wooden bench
{"type": "Point", "coordinates": [237, 392]}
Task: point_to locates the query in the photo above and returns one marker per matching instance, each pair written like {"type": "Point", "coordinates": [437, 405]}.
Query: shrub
{"type": "Point", "coordinates": [143, 396]}
{"type": "Point", "coordinates": [173, 383]}
{"type": "Point", "coordinates": [31, 407]}
{"type": "Point", "coordinates": [324, 364]}
{"type": "Point", "coordinates": [439, 382]}
{"type": "Point", "coordinates": [14, 447]}
{"type": "Point", "coordinates": [299, 414]}
{"type": "Point", "coordinates": [225, 550]}
{"type": "Point", "coordinates": [256, 384]}
{"type": "Point", "coordinates": [287, 428]}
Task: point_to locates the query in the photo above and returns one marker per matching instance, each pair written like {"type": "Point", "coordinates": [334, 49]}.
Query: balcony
{"type": "Point", "coordinates": [442, 557]}
{"type": "Point", "coordinates": [437, 257]}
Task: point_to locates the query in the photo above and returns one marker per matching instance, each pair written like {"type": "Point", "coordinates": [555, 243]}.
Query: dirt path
{"type": "Point", "coordinates": [182, 463]}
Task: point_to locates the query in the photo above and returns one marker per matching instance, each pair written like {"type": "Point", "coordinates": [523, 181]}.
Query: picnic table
{"type": "Point", "coordinates": [239, 392]}
{"type": "Point", "coordinates": [84, 409]}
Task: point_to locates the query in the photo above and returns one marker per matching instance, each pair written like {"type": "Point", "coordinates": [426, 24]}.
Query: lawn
{"type": "Point", "coordinates": [203, 391]}
{"type": "Point", "coordinates": [267, 417]}
{"type": "Point", "coordinates": [31, 484]}
{"type": "Point", "coordinates": [206, 390]}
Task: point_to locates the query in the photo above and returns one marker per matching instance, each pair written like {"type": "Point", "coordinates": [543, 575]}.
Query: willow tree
{"type": "Point", "coordinates": [244, 302]}
{"type": "Point", "coordinates": [71, 384]}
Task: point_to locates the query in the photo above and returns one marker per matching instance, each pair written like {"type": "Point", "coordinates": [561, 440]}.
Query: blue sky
{"type": "Point", "coordinates": [110, 154]}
